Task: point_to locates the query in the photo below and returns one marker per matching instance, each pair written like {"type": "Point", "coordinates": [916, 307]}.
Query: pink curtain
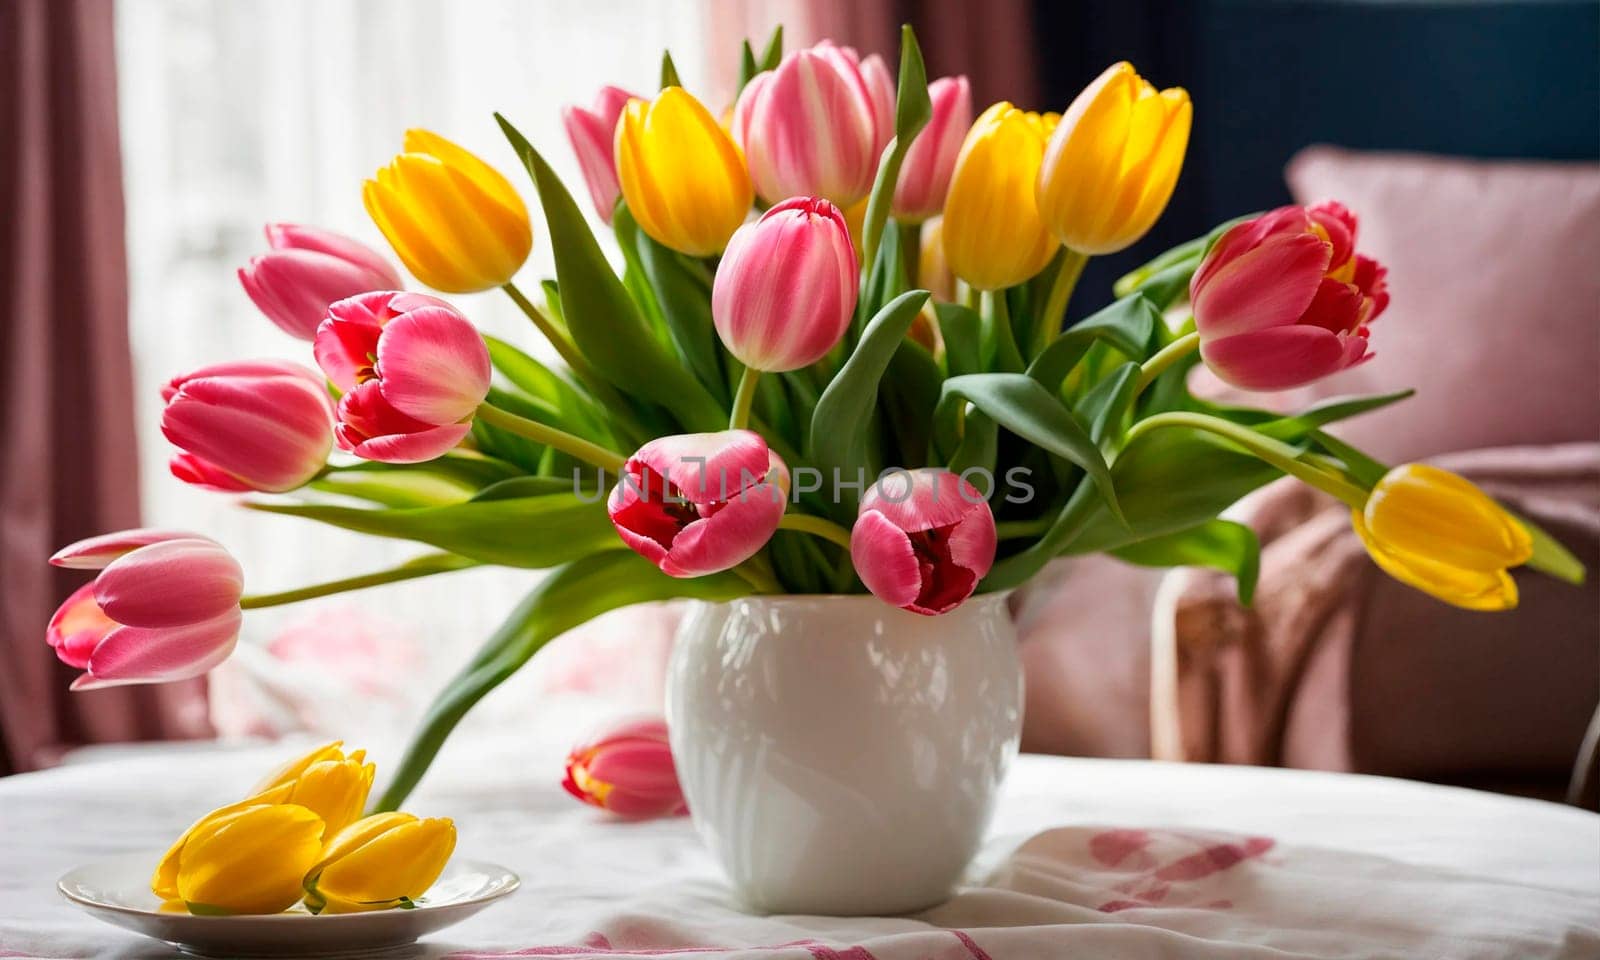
{"type": "Point", "coordinates": [990, 42]}
{"type": "Point", "coordinates": [67, 451]}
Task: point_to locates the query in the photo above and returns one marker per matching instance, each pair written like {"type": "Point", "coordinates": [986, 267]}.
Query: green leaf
{"type": "Point", "coordinates": [1126, 325]}
{"type": "Point", "coordinates": [396, 488]}
{"type": "Point", "coordinates": [910, 390]}
{"type": "Point", "coordinates": [911, 113]}
{"type": "Point", "coordinates": [1106, 404]}
{"type": "Point", "coordinates": [845, 412]}
{"type": "Point", "coordinates": [572, 595]}
{"type": "Point", "coordinates": [567, 408]}
{"type": "Point", "coordinates": [523, 531]}
{"type": "Point", "coordinates": [604, 322]}
{"type": "Point", "coordinates": [508, 446]}
{"type": "Point", "coordinates": [1171, 480]}
{"type": "Point", "coordinates": [1013, 571]}
{"type": "Point", "coordinates": [685, 299]}
{"type": "Point", "coordinates": [1332, 410]}
{"type": "Point", "coordinates": [773, 54]}
{"type": "Point", "coordinates": [1550, 556]}
{"type": "Point", "coordinates": [518, 487]}
{"type": "Point", "coordinates": [1018, 403]}
{"type": "Point", "coordinates": [669, 71]}
{"type": "Point", "coordinates": [961, 329]}
{"type": "Point", "coordinates": [1366, 471]}
{"type": "Point", "coordinates": [748, 67]}
{"type": "Point", "coordinates": [1219, 544]}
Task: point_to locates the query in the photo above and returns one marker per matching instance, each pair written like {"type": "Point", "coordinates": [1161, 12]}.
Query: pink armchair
{"type": "Point", "coordinates": [1496, 321]}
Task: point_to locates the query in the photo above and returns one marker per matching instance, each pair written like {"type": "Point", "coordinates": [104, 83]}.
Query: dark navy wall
{"type": "Point", "coordinates": [1473, 78]}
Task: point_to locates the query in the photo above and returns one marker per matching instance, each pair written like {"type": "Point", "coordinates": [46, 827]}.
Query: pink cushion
{"type": "Point", "coordinates": [1494, 269]}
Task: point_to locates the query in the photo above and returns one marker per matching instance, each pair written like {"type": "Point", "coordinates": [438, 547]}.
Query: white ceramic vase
{"type": "Point", "coordinates": [840, 756]}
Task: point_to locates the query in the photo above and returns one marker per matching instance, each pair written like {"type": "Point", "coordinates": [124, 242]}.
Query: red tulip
{"type": "Point", "coordinates": [165, 607]}
{"type": "Point", "coordinates": [592, 133]}
{"type": "Point", "coordinates": [1284, 299]}
{"type": "Point", "coordinates": [306, 270]}
{"type": "Point", "coordinates": [697, 503]}
{"type": "Point", "coordinates": [627, 770]}
{"type": "Point", "coordinates": [931, 160]}
{"type": "Point", "coordinates": [786, 287]}
{"type": "Point", "coordinates": [413, 370]}
{"type": "Point", "coordinates": [922, 540]}
{"type": "Point", "coordinates": [251, 425]}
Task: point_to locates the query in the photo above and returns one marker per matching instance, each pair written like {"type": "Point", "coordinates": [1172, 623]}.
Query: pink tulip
{"type": "Point", "coordinates": [306, 270]}
{"type": "Point", "coordinates": [165, 607]}
{"type": "Point", "coordinates": [925, 175]}
{"type": "Point", "coordinates": [697, 503]}
{"type": "Point", "coordinates": [922, 540]}
{"type": "Point", "coordinates": [808, 129]}
{"type": "Point", "coordinates": [786, 287]}
{"type": "Point", "coordinates": [592, 134]}
{"type": "Point", "coordinates": [252, 425]}
{"type": "Point", "coordinates": [413, 371]}
{"type": "Point", "coordinates": [627, 770]}
{"type": "Point", "coordinates": [1284, 299]}
{"type": "Point", "coordinates": [879, 87]}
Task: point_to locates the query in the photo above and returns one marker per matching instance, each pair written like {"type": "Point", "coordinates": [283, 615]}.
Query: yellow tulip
{"type": "Point", "coordinates": [1112, 163]}
{"type": "Point", "coordinates": [165, 881]}
{"type": "Point", "coordinates": [683, 177]}
{"type": "Point", "coordinates": [455, 222]}
{"type": "Point", "coordinates": [993, 236]}
{"type": "Point", "coordinates": [386, 860]}
{"type": "Point", "coordinates": [332, 785]}
{"type": "Point", "coordinates": [1436, 531]}
{"type": "Point", "coordinates": [933, 271]}
{"type": "Point", "coordinates": [251, 859]}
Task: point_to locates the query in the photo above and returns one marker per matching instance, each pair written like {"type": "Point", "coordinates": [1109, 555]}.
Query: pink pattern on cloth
{"type": "Point", "coordinates": [1170, 868]}
{"type": "Point", "coordinates": [598, 945]}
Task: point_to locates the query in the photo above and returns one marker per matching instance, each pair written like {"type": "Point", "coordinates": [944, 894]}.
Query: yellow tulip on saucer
{"type": "Point", "coordinates": [383, 861]}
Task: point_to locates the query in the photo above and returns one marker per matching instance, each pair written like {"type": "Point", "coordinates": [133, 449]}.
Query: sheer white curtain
{"type": "Point", "coordinates": [237, 113]}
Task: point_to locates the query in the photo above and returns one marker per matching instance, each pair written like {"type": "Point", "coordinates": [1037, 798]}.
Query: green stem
{"type": "Point", "coordinates": [589, 453]}
{"type": "Point", "coordinates": [1048, 324]}
{"type": "Point", "coordinates": [558, 337]}
{"type": "Point", "coordinates": [911, 252]}
{"type": "Point", "coordinates": [817, 527]}
{"type": "Point", "coordinates": [424, 566]}
{"type": "Point", "coordinates": [1164, 359]}
{"type": "Point", "coordinates": [1265, 448]}
{"type": "Point", "coordinates": [762, 582]}
{"type": "Point", "coordinates": [997, 314]}
{"type": "Point", "coordinates": [743, 397]}
{"type": "Point", "coordinates": [1019, 529]}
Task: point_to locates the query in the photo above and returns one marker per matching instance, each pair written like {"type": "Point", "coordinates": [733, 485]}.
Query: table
{"type": "Point", "coordinates": [1087, 859]}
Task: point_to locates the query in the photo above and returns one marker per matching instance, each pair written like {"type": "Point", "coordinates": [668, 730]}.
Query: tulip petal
{"type": "Point", "coordinates": [77, 627]}
{"type": "Point", "coordinates": [274, 433]}
{"type": "Point", "coordinates": [247, 368]}
{"type": "Point", "coordinates": [884, 560]}
{"type": "Point", "coordinates": [161, 654]}
{"type": "Point", "coordinates": [433, 365]}
{"type": "Point", "coordinates": [293, 236]}
{"type": "Point", "coordinates": [172, 583]}
{"type": "Point", "coordinates": [1268, 286]}
{"type": "Point", "coordinates": [730, 536]}
{"type": "Point", "coordinates": [916, 500]}
{"type": "Point", "coordinates": [417, 447]}
{"type": "Point", "coordinates": [1237, 239]}
{"type": "Point", "coordinates": [1336, 307]}
{"type": "Point", "coordinates": [1485, 590]}
{"type": "Point", "coordinates": [1277, 358]}
{"type": "Point", "coordinates": [205, 475]}
{"type": "Point", "coordinates": [294, 287]}
{"type": "Point", "coordinates": [706, 467]}
{"type": "Point", "coordinates": [95, 552]}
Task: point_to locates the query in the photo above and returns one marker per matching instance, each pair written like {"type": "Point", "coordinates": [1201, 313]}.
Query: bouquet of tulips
{"type": "Point", "coordinates": [831, 359]}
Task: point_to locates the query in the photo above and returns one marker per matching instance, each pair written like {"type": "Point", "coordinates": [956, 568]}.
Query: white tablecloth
{"type": "Point", "coordinates": [1086, 859]}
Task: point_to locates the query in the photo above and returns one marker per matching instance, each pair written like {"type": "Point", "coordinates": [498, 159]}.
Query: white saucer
{"type": "Point", "coordinates": [118, 891]}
